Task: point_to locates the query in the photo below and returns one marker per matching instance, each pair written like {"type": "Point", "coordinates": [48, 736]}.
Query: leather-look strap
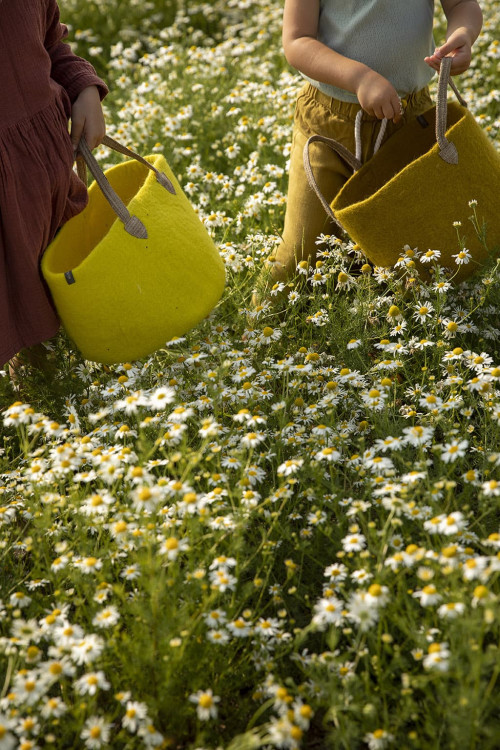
{"type": "Point", "coordinates": [132, 224]}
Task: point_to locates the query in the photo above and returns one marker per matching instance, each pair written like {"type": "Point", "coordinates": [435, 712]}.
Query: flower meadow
{"type": "Point", "coordinates": [283, 529]}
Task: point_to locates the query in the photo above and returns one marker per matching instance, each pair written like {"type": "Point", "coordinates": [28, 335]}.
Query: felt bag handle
{"type": "Point", "coordinates": [132, 224]}
{"type": "Point", "coordinates": [447, 150]}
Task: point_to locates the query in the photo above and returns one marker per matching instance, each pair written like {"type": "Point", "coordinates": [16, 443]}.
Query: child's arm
{"type": "Point", "coordinates": [79, 79]}
{"type": "Point", "coordinates": [376, 94]}
{"type": "Point", "coordinates": [465, 20]}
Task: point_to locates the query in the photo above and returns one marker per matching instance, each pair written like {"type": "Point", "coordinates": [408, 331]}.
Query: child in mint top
{"type": "Point", "coordinates": [374, 55]}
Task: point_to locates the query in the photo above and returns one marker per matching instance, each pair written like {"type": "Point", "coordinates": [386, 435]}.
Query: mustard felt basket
{"type": "Point", "coordinates": [137, 266]}
{"type": "Point", "coordinates": [418, 184]}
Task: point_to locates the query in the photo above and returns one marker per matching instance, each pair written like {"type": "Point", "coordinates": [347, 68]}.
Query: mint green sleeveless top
{"type": "Point", "coordinates": [390, 36]}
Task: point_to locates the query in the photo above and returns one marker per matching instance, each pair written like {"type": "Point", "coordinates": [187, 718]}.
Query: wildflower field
{"type": "Point", "coordinates": [282, 530]}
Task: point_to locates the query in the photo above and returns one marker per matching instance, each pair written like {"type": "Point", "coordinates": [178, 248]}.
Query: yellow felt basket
{"type": "Point", "coordinates": [418, 185]}
{"type": "Point", "coordinates": [136, 267]}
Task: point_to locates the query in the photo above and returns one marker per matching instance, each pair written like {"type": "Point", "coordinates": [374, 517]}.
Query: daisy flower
{"type": "Point", "coordinates": [491, 488]}
{"type": "Point", "coordinates": [290, 467]}
{"type": "Point", "coordinates": [441, 286]}
{"type": "Point", "coordinates": [430, 255]}
{"type": "Point", "coordinates": [451, 610]}
{"type": "Point", "coordinates": [206, 704]}
{"type": "Point", "coordinates": [354, 343]}
{"type": "Point", "coordinates": [437, 657]}
{"type": "Point", "coordinates": [209, 428]}
{"type": "Point", "coordinates": [268, 335]}
{"type": "Point", "coordinates": [90, 683]}
{"type": "Point", "coordinates": [95, 733]}
{"type": "Point", "coordinates": [171, 547]}
{"type": "Point", "coordinates": [135, 714]}
{"type": "Point", "coordinates": [53, 708]}
{"type": "Point", "coordinates": [455, 449]}
{"type": "Point", "coordinates": [329, 455]}
{"type": "Point", "coordinates": [417, 435]}
{"type": "Point", "coordinates": [107, 617]}
{"type": "Point", "coordinates": [328, 611]}
{"type": "Point", "coordinates": [428, 595]}
{"type": "Point", "coordinates": [379, 739]}
{"type": "Point", "coordinates": [463, 257]}
{"type": "Point", "coordinates": [252, 439]}
{"type": "Point", "coordinates": [353, 542]}
{"type": "Point", "coordinates": [423, 312]}
{"type": "Point", "coordinates": [362, 610]}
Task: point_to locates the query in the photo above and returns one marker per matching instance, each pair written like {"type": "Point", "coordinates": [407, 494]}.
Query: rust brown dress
{"type": "Point", "coordinates": [39, 80]}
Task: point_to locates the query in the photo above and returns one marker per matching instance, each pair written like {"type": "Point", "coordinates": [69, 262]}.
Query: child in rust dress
{"type": "Point", "coordinates": [43, 85]}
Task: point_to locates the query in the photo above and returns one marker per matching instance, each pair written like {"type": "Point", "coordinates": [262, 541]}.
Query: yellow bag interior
{"type": "Point", "coordinates": [80, 235]}
{"type": "Point", "coordinates": [400, 150]}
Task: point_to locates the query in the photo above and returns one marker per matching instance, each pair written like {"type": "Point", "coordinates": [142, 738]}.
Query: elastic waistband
{"type": "Point", "coordinates": [349, 109]}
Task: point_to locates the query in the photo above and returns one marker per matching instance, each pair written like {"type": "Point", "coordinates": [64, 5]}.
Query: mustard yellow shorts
{"type": "Point", "coordinates": [305, 219]}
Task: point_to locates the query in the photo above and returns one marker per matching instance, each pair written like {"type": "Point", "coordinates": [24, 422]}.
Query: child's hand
{"type": "Point", "coordinates": [457, 46]}
{"type": "Point", "coordinates": [87, 118]}
{"type": "Point", "coordinates": [378, 97]}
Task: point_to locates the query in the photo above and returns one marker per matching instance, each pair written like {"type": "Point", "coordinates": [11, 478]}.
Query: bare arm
{"type": "Point", "coordinates": [465, 21]}
{"type": "Point", "coordinates": [376, 94]}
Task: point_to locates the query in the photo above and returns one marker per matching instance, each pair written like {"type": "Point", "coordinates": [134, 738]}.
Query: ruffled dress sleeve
{"type": "Point", "coordinates": [71, 72]}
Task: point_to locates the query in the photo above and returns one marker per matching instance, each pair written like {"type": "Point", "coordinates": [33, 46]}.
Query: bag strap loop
{"type": "Point", "coordinates": [120, 148]}
{"type": "Point", "coordinates": [447, 150]}
{"type": "Point", "coordinates": [337, 148]}
{"type": "Point", "coordinates": [132, 224]}
{"type": "Point", "coordinates": [357, 135]}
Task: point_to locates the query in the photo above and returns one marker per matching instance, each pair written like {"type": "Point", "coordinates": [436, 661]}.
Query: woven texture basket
{"type": "Point", "coordinates": [136, 267]}
{"type": "Point", "coordinates": [418, 184]}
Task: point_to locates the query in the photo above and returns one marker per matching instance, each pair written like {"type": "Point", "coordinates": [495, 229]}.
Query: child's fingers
{"type": "Point", "coordinates": [458, 46]}
{"type": "Point", "coordinates": [450, 47]}
{"type": "Point", "coordinates": [393, 109]}
{"type": "Point", "coordinates": [94, 139]}
{"type": "Point", "coordinates": [460, 62]}
{"type": "Point", "coordinates": [94, 132]}
{"type": "Point", "coordinates": [433, 62]}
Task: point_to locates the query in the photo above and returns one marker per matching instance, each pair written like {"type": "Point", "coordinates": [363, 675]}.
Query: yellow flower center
{"type": "Point", "coordinates": [434, 648]}
{"type": "Point", "coordinates": [481, 592]}
{"type": "Point", "coordinates": [206, 700]}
